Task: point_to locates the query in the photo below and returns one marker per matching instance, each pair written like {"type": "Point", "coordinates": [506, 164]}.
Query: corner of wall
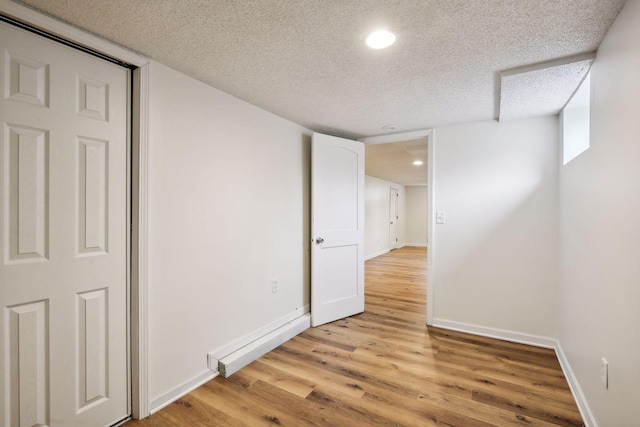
{"type": "Point", "coordinates": [574, 385]}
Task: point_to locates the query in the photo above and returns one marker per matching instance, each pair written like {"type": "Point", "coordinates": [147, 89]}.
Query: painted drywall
{"type": "Point", "coordinates": [575, 122]}
{"type": "Point", "coordinates": [228, 212]}
{"type": "Point", "coordinates": [417, 215]}
{"type": "Point", "coordinates": [599, 283]}
{"type": "Point", "coordinates": [376, 216]}
{"type": "Point", "coordinates": [496, 252]}
{"type": "Point", "coordinates": [574, 132]}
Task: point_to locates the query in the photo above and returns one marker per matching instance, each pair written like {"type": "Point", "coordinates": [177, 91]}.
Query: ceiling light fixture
{"type": "Point", "coordinates": [380, 39]}
{"type": "Point", "coordinates": [418, 163]}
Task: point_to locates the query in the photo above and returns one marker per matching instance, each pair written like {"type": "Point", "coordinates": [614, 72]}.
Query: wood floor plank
{"type": "Point", "coordinates": [313, 372]}
{"type": "Point", "coordinates": [243, 403]}
{"type": "Point", "coordinates": [527, 407]}
{"type": "Point", "coordinates": [301, 387]}
{"type": "Point", "coordinates": [385, 367]}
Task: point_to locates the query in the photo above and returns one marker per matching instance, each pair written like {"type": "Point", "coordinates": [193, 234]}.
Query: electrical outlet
{"type": "Point", "coordinates": [604, 372]}
{"type": "Point", "coordinates": [274, 286]}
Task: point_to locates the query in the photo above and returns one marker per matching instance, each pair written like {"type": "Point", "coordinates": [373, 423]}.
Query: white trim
{"type": "Point", "coordinates": [431, 222]}
{"type": "Point", "coordinates": [576, 390]}
{"type": "Point", "coordinates": [65, 31]}
{"type": "Point", "coordinates": [139, 290]}
{"type": "Point", "coordinates": [416, 245]}
{"type": "Point", "coordinates": [375, 254]}
{"type": "Point", "coordinates": [501, 334]}
{"type": "Point", "coordinates": [129, 236]}
{"type": "Point", "coordinates": [240, 358]}
{"type": "Point", "coordinates": [238, 343]}
{"type": "Point", "coordinates": [184, 388]}
{"type": "Point", "coordinates": [396, 137]}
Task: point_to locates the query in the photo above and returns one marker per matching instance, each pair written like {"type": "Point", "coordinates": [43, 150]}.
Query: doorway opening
{"type": "Point", "coordinates": [404, 163]}
{"type": "Point", "coordinates": [393, 218]}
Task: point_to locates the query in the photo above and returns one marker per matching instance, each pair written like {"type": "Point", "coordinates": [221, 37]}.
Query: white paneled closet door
{"type": "Point", "coordinates": [63, 235]}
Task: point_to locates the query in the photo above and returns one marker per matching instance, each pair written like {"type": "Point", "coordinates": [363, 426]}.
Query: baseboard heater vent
{"type": "Point", "coordinates": [240, 358]}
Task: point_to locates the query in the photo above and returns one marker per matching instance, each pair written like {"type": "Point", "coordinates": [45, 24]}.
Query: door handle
{"type": "Point", "coordinates": [319, 240]}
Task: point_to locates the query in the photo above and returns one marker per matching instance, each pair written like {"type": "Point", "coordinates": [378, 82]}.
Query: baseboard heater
{"type": "Point", "coordinates": [240, 358]}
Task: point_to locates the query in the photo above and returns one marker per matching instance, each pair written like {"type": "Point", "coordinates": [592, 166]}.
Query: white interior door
{"type": "Point", "coordinates": [63, 235]}
{"type": "Point", "coordinates": [337, 249]}
{"type": "Point", "coordinates": [393, 218]}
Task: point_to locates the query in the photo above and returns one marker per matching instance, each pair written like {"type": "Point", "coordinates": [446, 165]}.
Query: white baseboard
{"type": "Point", "coordinates": [217, 354]}
{"type": "Point", "coordinates": [373, 255]}
{"type": "Point", "coordinates": [501, 334]}
{"type": "Point", "coordinates": [285, 326]}
{"type": "Point", "coordinates": [171, 396]}
{"type": "Point", "coordinates": [240, 358]}
{"type": "Point", "coordinates": [576, 390]}
{"type": "Point", "coordinates": [418, 245]}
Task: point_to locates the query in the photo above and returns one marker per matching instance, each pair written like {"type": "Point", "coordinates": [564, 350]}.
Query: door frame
{"type": "Point", "coordinates": [431, 241]}
{"type": "Point", "coordinates": [138, 184]}
{"type": "Point", "coordinates": [392, 192]}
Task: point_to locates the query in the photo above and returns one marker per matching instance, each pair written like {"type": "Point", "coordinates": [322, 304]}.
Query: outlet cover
{"type": "Point", "coordinates": [604, 372]}
{"type": "Point", "coordinates": [274, 286]}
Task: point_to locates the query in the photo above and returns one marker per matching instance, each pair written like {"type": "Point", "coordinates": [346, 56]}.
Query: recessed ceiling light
{"type": "Point", "coordinates": [389, 127]}
{"type": "Point", "coordinates": [380, 39]}
{"type": "Point", "coordinates": [417, 163]}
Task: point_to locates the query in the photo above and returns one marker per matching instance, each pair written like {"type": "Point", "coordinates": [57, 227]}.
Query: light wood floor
{"type": "Point", "coordinates": [385, 367]}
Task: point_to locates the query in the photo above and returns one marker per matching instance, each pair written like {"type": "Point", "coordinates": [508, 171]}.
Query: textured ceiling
{"type": "Point", "coordinates": [306, 60]}
{"type": "Point", "coordinates": [542, 89]}
{"type": "Point", "coordinates": [394, 161]}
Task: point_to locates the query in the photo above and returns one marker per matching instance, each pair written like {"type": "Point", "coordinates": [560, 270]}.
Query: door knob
{"type": "Point", "coordinates": [319, 240]}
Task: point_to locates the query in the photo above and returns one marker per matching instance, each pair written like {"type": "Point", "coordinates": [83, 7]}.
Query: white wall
{"type": "Point", "coordinates": [496, 255]}
{"type": "Point", "coordinates": [574, 125]}
{"type": "Point", "coordinates": [417, 215]}
{"type": "Point", "coordinates": [599, 289]}
{"type": "Point", "coordinates": [376, 216]}
{"type": "Point", "coordinates": [575, 122]}
{"type": "Point", "coordinates": [228, 212]}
